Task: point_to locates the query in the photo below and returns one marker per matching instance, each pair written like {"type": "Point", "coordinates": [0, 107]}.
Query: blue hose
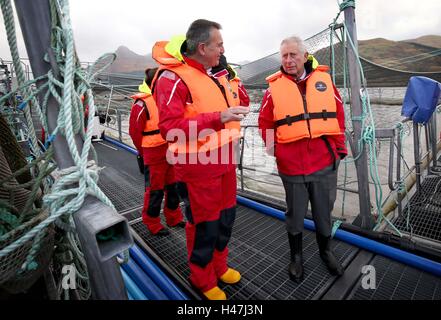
{"type": "Point", "coordinates": [356, 240]}
{"type": "Point", "coordinates": [133, 291]}
{"type": "Point", "coordinates": [163, 282]}
{"type": "Point", "coordinates": [143, 281]}
{"type": "Point", "coordinates": [120, 144]}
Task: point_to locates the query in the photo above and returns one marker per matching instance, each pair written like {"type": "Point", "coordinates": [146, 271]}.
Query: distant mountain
{"type": "Point", "coordinates": [129, 62]}
{"type": "Point", "coordinates": [408, 55]}
{"type": "Point", "coordinates": [429, 40]}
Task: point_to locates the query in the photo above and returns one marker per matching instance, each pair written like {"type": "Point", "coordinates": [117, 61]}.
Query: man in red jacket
{"type": "Point", "coordinates": [199, 108]}
{"type": "Point", "coordinates": [302, 113]}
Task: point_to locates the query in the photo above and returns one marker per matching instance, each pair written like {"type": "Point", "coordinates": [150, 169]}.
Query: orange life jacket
{"type": "Point", "coordinates": [151, 135]}
{"type": "Point", "coordinates": [206, 97]}
{"type": "Point", "coordinates": [309, 116]}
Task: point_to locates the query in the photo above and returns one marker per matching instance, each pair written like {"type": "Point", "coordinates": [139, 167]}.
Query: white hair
{"type": "Point", "coordinates": [298, 41]}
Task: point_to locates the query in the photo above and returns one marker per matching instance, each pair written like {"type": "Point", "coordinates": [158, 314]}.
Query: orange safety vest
{"type": "Point", "coordinates": [151, 135]}
{"type": "Point", "coordinates": [206, 97]}
{"type": "Point", "coordinates": [309, 116]}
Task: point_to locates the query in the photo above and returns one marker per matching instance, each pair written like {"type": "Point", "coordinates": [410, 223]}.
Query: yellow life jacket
{"type": "Point", "coordinates": [309, 116]}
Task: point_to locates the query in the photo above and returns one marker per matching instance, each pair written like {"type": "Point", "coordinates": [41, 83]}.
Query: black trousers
{"type": "Point", "coordinates": [319, 188]}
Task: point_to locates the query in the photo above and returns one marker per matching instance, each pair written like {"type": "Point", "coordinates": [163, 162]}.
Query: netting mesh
{"type": "Point", "coordinates": [392, 71]}
{"type": "Point", "coordinates": [253, 74]}
{"type": "Point", "coordinates": [13, 200]}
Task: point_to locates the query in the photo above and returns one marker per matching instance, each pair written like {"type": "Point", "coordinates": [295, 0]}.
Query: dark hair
{"type": "Point", "coordinates": [149, 75]}
{"type": "Point", "coordinates": [199, 32]}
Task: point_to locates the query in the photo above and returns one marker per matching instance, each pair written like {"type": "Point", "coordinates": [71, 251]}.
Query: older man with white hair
{"type": "Point", "coordinates": [303, 114]}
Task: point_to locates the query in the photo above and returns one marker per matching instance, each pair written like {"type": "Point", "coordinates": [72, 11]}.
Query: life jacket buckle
{"type": "Point", "coordinates": [325, 114]}
{"type": "Point", "coordinates": [288, 120]}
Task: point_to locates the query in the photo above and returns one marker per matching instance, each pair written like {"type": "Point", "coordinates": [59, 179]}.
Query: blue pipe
{"type": "Point", "coordinates": [121, 145]}
{"type": "Point", "coordinates": [150, 268]}
{"type": "Point", "coordinates": [143, 281]}
{"type": "Point", "coordinates": [133, 291]}
{"type": "Point", "coordinates": [356, 240]}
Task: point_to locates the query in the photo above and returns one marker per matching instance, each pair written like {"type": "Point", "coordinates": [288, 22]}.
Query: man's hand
{"type": "Point", "coordinates": [234, 114]}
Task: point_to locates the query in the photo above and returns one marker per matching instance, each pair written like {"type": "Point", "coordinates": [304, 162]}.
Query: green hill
{"type": "Point", "coordinates": [429, 40]}
{"type": "Point", "coordinates": [420, 55]}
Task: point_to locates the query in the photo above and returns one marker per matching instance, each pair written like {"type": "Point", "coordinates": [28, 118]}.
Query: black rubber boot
{"type": "Point", "coordinates": [180, 224]}
{"type": "Point", "coordinates": [328, 257]}
{"type": "Point", "coordinates": [162, 232]}
{"type": "Point", "coordinates": [295, 268]}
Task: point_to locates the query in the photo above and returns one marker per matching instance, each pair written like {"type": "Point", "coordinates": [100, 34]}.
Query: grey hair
{"type": "Point", "coordinates": [199, 32]}
{"type": "Point", "coordinates": [301, 45]}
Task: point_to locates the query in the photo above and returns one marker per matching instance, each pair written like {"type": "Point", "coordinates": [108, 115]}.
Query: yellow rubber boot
{"type": "Point", "coordinates": [231, 276]}
{"type": "Point", "coordinates": [215, 294]}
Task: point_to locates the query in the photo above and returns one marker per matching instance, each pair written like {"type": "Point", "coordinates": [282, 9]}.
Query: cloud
{"type": "Point", "coordinates": [251, 29]}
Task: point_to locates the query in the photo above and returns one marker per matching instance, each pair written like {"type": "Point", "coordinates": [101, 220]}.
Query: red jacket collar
{"type": "Point", "coordinates": [193, 63]}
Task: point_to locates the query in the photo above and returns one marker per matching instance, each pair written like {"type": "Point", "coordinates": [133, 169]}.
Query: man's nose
{"type": "Point", "coordinates": [290, 59]}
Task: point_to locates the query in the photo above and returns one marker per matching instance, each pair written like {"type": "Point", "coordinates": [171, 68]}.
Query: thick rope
{"type": "Point", "coordinates": [64, 199]}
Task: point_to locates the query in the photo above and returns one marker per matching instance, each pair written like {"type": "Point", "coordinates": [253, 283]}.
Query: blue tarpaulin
{"type": "Point", "coordinates": [421, 99]}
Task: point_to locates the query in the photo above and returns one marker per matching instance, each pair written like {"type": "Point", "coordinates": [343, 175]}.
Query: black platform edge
{"type": "Point", "coordinates": [343, 286]}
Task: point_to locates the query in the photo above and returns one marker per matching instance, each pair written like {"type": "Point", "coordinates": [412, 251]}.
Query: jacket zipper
{"type": "Point", "coordinates": [222, 89]}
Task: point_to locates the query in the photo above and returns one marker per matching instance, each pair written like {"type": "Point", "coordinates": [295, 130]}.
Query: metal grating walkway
{"type": "Point", "coordinates": [396, 281]}
{"type": "Point", "coordinates": [259, 249]}
{"type": "Point", "coordinates": [423, 212]}
{"type": "Point", "coordinates": [120, 178]}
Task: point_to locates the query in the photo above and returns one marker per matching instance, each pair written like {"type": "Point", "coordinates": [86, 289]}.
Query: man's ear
{"type": "Point", "coordinates": [201, 49]}
{"type": "Point", "coordinates": [305, 57]}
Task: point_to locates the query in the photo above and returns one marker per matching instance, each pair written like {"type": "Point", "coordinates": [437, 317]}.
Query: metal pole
{"type": "Point", "coordinates": [428, 134]}
{"type": "Point", "coordinates": [118, 117]}
{"type": "Point", "coordinates": [108, 104]}
{"type": "Point", "coordinates": [435, 168]}
{"type": "Point", "coordinates": [399, 146]}
{"type": "Point", "coordinates": [416, 153]}
{"type": "Point", "coordinates": [364, 219]}
{"type": "Point", "coordinates": [241, 158]}
{"type": "Point", "coordinates": [105, 276]}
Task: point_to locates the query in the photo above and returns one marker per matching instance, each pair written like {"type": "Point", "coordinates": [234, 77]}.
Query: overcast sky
{"type": "Point", "coordinates": [251, 28]}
